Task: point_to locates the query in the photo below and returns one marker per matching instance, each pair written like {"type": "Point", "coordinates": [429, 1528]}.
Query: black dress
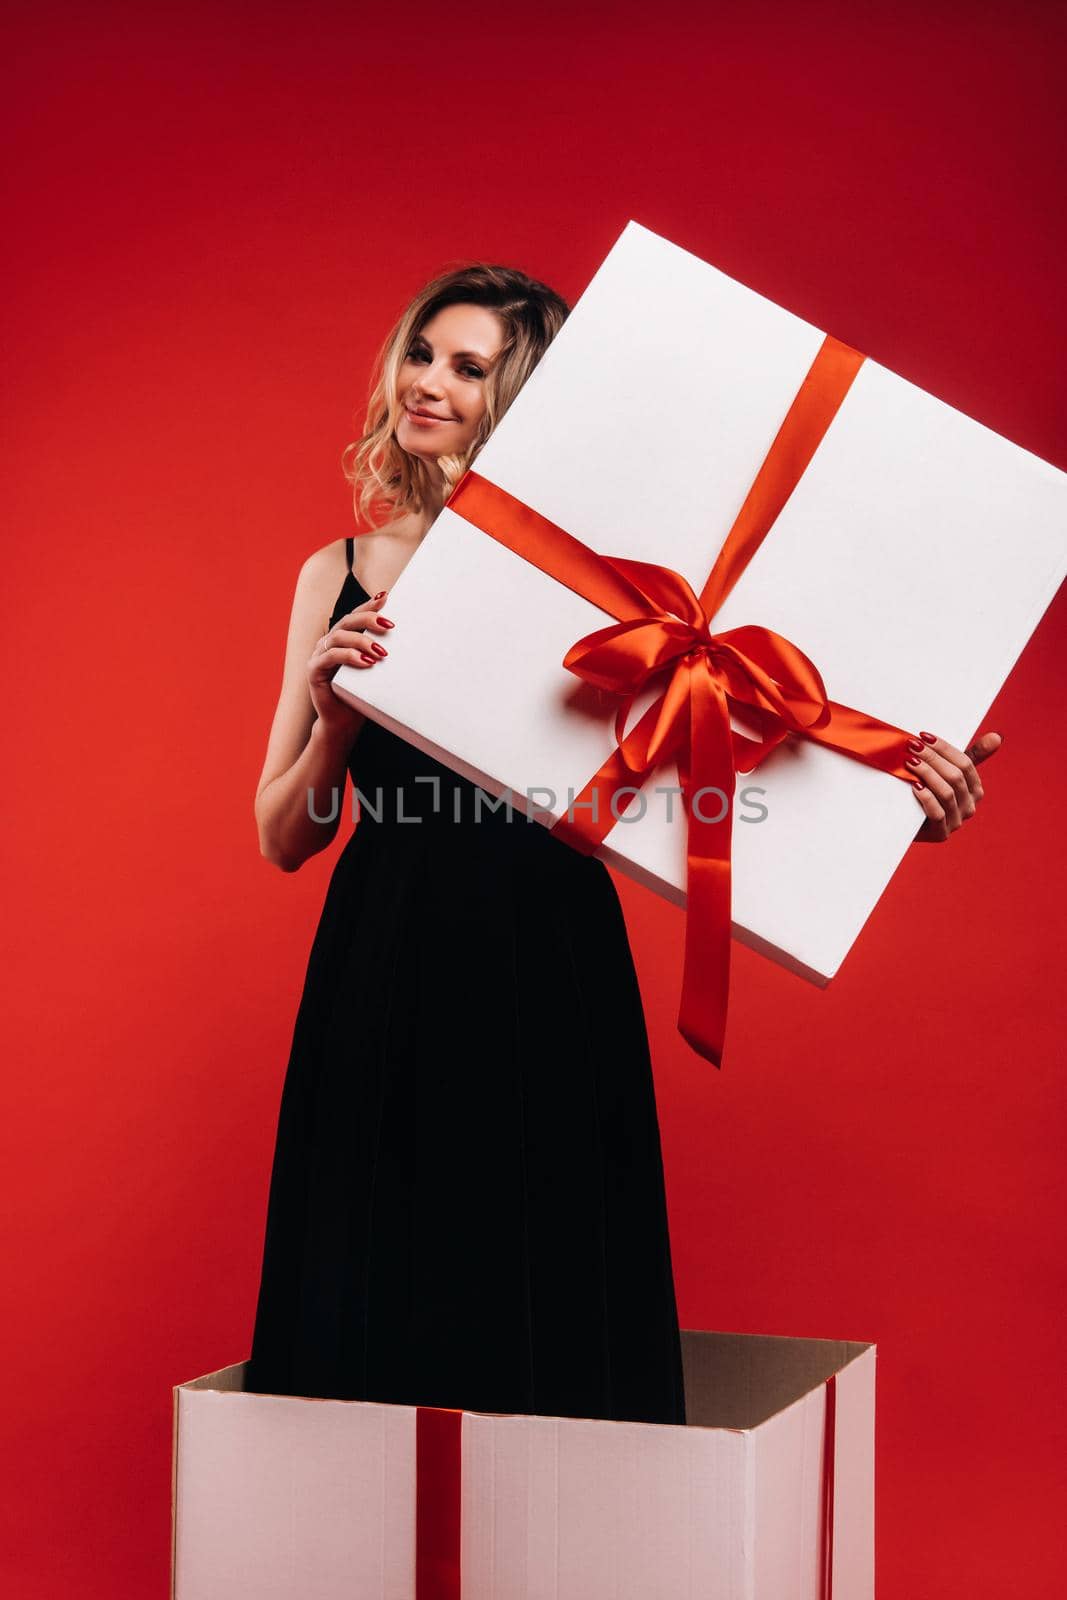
{"type": "Point", "coordinates": [466, 1203]}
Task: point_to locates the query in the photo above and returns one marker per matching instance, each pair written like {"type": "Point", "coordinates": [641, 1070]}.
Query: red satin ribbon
{"type": "Point", "coordinates": [662, 627]}
{"type": "Point", "coordinates": [438, 1500]}
{"type": "Point", "coordinates": [829, 1462]}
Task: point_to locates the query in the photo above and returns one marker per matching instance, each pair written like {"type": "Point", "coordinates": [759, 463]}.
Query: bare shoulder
{"type": "Point", "coordinates": [324, 570]}
{"type": "Point", "coordinates": [318, 585]}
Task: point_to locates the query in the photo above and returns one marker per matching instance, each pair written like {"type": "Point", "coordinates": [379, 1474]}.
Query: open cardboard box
{"type": "Point", "coordinates": [766, 1494]}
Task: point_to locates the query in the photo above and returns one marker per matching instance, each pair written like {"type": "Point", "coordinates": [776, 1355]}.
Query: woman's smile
{"type": "Point", "coordinates": [424, 419]}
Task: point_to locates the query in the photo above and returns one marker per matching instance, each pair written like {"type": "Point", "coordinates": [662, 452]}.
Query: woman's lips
{"type": "Point", "coordinates": [424, 421]}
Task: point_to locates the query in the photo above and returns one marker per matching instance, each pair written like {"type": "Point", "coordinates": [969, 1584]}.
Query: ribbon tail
{"type": "Point", "coordinates": [589, 818]}
{"type": "Point", "coordinates": [706, 965]}
{"type": "Point", "coordinates": [651, 741]}
{"type": "Point", "coordinates": [706, 767]}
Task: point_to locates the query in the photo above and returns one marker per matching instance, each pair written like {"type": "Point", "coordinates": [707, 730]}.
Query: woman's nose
{"type": "Point", "coordinates": [431, 378]}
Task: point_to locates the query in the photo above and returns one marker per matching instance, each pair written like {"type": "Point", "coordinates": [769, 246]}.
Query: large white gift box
{"type": "Point", "coordinates": [766, 1494]}
{"type": "Point", "coordinates": [910, 564]}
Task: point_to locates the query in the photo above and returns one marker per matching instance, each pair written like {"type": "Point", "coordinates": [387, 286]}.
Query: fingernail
{"type": "Point", "coordinates": [381, 594]}
{"type": "Point", "coordinates": [385, 622]}
{"type": "Point", "coordinates": [367, 659]}
{"type": "Point", "coordinates": [931, 738]}
{"type": "Point", "coordinates": [919, 749]}
{"type": "Point", "coordinates": [918, 783]}
{"type": "Point", "coordinates": [379, 649]}
{"type": "Point", "coordinates": [912, 761]}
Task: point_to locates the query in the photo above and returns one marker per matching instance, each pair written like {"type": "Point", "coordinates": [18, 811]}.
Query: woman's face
{"type": "Point", "coordinates": [442, 380]}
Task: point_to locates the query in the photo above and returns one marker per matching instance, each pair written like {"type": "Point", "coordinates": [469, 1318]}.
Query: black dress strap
{"type": "Point", "coordinates": [349, 548]}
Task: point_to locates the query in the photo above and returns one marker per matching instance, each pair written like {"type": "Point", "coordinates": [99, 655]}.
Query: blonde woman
{"type": "Point", "coordinates": [466, 1203]}
{"type": "Point", "coordinates": [467, 1199]}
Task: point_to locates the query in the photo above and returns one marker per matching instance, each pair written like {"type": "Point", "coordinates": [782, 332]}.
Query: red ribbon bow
{"type": "Point", "coordinates": [749, 665]}
{"type": "Point", "coordinates": [662, 627]}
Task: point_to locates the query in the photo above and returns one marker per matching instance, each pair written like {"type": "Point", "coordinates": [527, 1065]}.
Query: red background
{"type": "Point", "coordinates": [214, 215]}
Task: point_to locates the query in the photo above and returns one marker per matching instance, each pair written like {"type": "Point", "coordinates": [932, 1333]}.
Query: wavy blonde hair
{"type": "Point", "coordinates": [385, 479]}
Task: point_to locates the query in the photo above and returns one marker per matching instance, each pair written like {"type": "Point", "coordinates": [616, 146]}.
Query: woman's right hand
{"type": "Point", "coordinates": [353, 641]}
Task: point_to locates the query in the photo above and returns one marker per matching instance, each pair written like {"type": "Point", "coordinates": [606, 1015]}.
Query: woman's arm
{"type": "Point", "coordinates": [313, 731]}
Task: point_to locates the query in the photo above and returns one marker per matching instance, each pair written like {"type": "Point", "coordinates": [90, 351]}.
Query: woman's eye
{"type": "Point", "coordinates": [420, 353]}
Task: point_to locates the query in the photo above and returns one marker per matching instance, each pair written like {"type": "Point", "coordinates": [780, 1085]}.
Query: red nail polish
{"type": "Point", "coordinates": [931, 738]}
{"type": "Point", "coordinates": [367, 659]}
{"type": "Point", "coordinates": [379, 649]}
{"type": "Point", "coordinates": [914, 745]}
{"type": "Point", "coordinates": [386, 623]}
{"type": "Point", "coordinates": [381, 594]}
{"type": "Point", "coordinates": [917, 783]}
{"type": "Point", "coordinates": [912, 761]}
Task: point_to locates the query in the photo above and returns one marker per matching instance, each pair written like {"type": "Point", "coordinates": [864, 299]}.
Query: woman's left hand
{"type": "Point", "coordinates": [950, 786]}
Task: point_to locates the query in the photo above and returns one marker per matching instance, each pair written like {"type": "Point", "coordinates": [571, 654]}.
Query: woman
{"type": "Point", "coordinates": [466, 1204]}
